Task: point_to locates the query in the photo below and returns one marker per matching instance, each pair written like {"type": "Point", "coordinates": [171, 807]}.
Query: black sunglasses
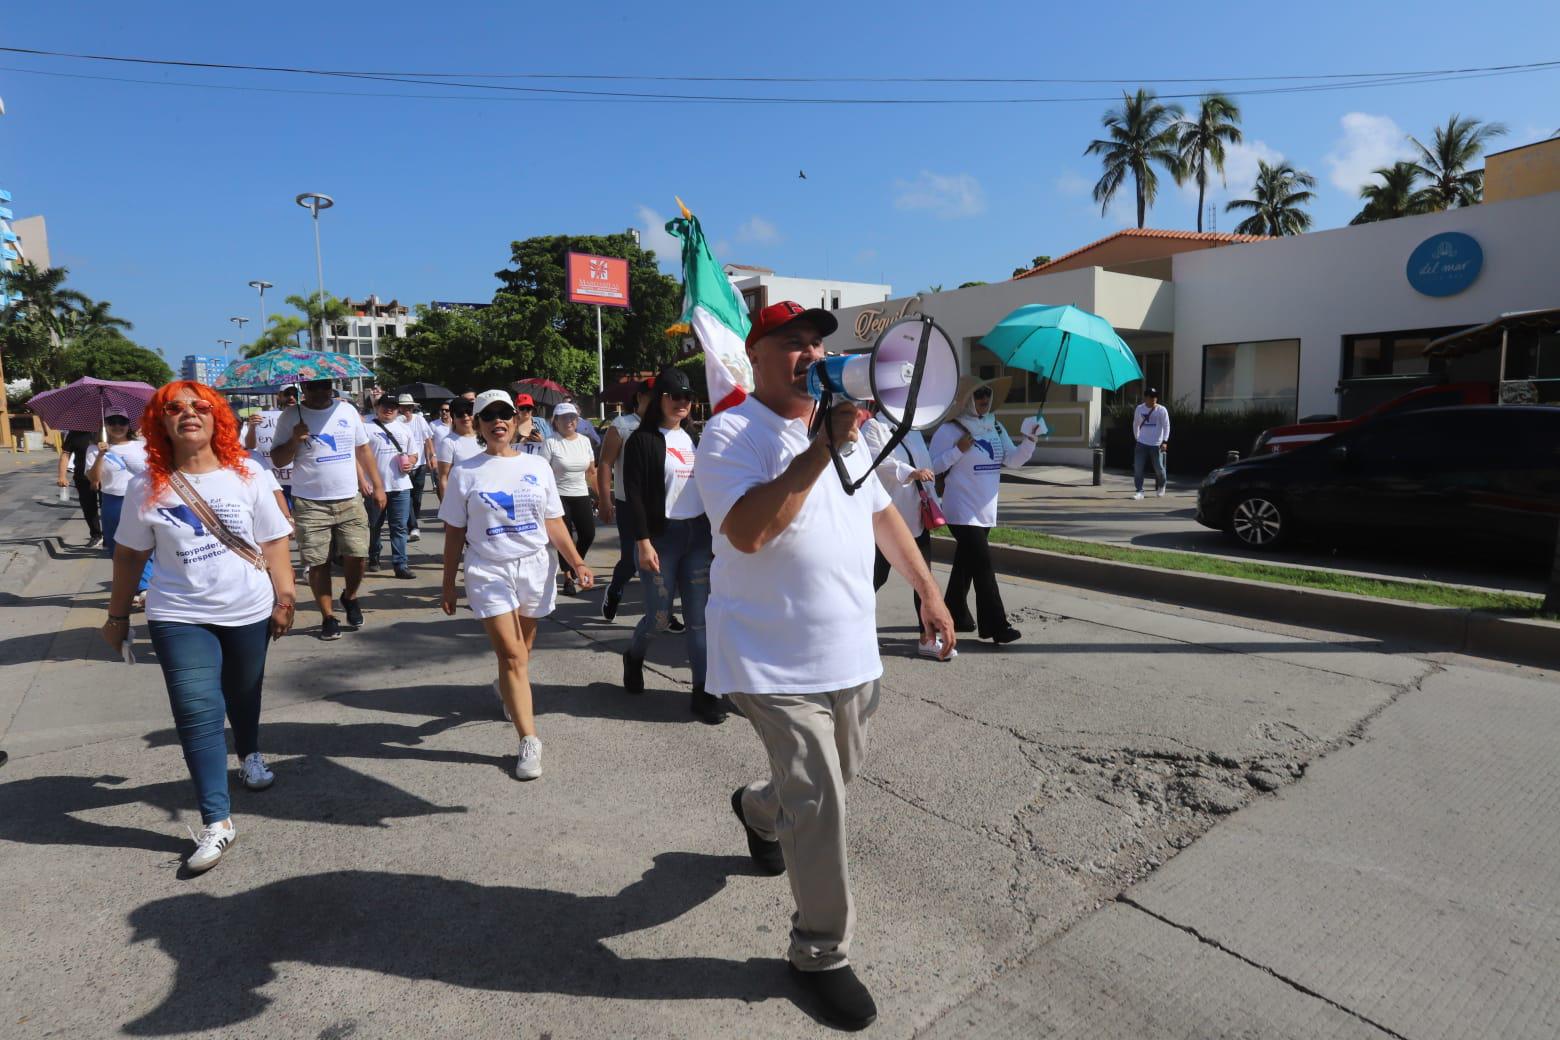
{"type": "Point", "coordinates": [679, 396]}
{"type": "Point", "coordinates": [497, 412]}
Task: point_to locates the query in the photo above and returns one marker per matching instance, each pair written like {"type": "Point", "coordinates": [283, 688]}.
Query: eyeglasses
{"type": "Point", "coordinates": [199, 406]}
{"type": "Point", "coordinates": [498, 413]}
{"type": "Point", "coordinates": [525, 407]}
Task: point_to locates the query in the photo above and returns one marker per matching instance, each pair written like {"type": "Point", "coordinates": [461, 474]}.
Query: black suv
{"type": "Point", "coordinates": [1473, 474]}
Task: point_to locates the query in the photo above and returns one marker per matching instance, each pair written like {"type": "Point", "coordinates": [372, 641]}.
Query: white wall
{"type": "Point", "coordinates": [1320, 287]}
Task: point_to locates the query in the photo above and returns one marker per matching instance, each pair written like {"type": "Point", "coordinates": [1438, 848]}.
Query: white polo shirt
{"type": "Point", "coordinates": [799, 615]}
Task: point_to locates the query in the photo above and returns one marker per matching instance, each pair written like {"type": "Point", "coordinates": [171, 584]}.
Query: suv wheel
{"type": "Point", "coordinates": [1259, 522]}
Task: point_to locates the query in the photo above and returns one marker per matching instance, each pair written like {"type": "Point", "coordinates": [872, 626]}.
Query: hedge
{"type": "Point", "coordinates": [1199, 441]}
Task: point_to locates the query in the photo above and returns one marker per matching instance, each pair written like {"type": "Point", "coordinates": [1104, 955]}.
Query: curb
{"type": "Point", "coordinates": [1518, 640]}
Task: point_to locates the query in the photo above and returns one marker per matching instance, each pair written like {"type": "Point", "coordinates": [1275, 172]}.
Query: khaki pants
{"type": "Point", "coordinates": [816, 743]}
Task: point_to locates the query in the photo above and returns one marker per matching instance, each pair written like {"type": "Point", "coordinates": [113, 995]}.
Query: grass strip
{"type": "Point", "coordinates": [1409, 592]}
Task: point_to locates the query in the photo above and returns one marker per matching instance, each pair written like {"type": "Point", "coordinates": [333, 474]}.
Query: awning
{"type": "Point", "coordinates": [1488, 336]}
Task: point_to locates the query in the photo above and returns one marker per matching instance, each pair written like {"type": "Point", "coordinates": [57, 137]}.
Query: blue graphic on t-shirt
{"type": "Point", "coordinates": [329, 440]}
{"type": "Point", "coordinates": [991, 453]}
{"type": "Point", "coordinates": [183, 514]}
{"type": "Point", "coordinates": [985, 446]}
{"type": "Point", "coordinates": [115, 462]}
{"type": "Point", "coordinates": [504, 502]}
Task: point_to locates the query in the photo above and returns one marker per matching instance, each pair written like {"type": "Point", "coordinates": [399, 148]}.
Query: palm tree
{"type": "Point", "coordinates": [94, 316]}
{"type": "Point", "coordinates": [1277, 198]}
{"type": "Point", "coordinates": [1393, 197]}
{"type": "Point", "coordinates": [1202, 140]}
{"type": "Point", "coordinates": [1138, 134]}
{"type": "Point", "coordinates": [41, 296]}
{"type": "Point", "coordinates": [1445, 164]}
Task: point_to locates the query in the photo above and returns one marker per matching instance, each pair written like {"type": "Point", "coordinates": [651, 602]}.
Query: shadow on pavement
{"type": "Point", "coordinates": [507, 939]}
{"type": "Point", "coordinates": [39, 811]}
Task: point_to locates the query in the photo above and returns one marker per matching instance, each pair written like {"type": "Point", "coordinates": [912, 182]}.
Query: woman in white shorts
{"type": "Point", "coordinates": [501, 508]}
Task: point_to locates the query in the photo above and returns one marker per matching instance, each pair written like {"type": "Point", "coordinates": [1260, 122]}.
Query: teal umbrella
{"type": "Point", "coordinates": [289, 365]}
{"type": "Point", "coordinates": [1064, 345]}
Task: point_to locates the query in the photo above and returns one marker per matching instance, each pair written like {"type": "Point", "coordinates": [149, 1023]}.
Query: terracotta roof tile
{"type": "Point", "coordinates": [1184, 236]}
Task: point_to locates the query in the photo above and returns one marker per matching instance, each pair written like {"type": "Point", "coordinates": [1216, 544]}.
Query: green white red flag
{"type": "Point", "coordinates": [714, 311]}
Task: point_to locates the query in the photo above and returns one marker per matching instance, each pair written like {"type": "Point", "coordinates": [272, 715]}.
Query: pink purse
{"type": "Point", "coordinates": [931, 513]}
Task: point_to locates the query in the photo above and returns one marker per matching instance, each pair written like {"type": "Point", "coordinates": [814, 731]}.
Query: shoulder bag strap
{"type": "Point", "coordinates": [380, 423]}
{"type": "Point", "coordinates": [214, 523]}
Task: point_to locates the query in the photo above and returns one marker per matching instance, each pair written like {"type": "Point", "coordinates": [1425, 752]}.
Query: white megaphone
{"type": "Point", "coordinates": [912, 372]}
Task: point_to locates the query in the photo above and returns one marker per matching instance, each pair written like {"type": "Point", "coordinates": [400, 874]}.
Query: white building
{"type": "Point", "coordinates": [368, 331]}
{"type": "Point", "coordinates": [760, 287]}
{"type": "Point", "coordinates": [1310, 323]}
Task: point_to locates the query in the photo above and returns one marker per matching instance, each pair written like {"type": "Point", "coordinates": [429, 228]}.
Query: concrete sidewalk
{"type": "Point", "coordinates": [397, 882]}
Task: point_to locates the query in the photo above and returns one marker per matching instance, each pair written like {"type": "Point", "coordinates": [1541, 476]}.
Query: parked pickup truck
{"type": "Point", "coordinates": [1280, 439]}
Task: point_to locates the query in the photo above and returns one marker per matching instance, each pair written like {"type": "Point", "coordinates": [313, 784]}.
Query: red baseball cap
{"type": "Point", "coordinates": [524, 399]}
{"type": "Point", "coordinates": [778, 315]}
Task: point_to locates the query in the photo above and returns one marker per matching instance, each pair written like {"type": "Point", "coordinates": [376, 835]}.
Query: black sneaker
{"type": "Point", "coordinates": [766, 855]}
{"type": "Point", "coordinates": [843, 1002]}
{"type": "Point", "coordinates": [1006, 635]}
{"type": "Point", "coordinates": [707, 707]}
{"type": "Point", "coordinates": [633, 674]}
{"type": "Point", "coordinates": [330, 628]}
{"type": "Point", "coordinates": [354, 611]}
{"type": "Point", "coordinates": [404, 573]}
{"type": "Point", "coordinates": [609, 603]}
{"type": "Point", "coordinates": [372, 564]}
{"type": "Point", "coordinates": [95, 541]}
{"type": "Point", "coordinates": [673, 624]}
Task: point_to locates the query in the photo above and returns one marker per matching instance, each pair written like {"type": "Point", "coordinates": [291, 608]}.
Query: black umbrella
{"type": "Point", "coordinates": [425, 392]}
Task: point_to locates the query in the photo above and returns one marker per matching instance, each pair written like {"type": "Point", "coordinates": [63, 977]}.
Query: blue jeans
{"type": "Point", "coordinates": [627, 563]}
{"type": "Point", "coordinates": [113, 505]}
{"type": "Point", "coordinates": [398, 507]}
{"type": "Point", "coordinates": [418, 475]}
{"type": "Point", "coordinates": [685, 551]}
{"type": "Point", "coordinates": [212, 670]}
{"type": "Point", "coordinates": [1142, 455]}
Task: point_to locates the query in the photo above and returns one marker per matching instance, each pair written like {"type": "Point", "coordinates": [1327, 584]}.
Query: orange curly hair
{"type": "Point", "coordinates": [159, 446]}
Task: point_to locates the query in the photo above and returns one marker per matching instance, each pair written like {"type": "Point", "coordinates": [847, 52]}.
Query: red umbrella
{"type": "Point", "coordinates": [83, 404]}
{"type": "Point", "coordinates": [623, 393]}
{"type": "Point", "coordinates": [543, 391]}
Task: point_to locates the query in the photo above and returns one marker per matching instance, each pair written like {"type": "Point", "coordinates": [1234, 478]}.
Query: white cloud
{"type": "Point", "coordinates": [1368, 143]}
{"type": "Point", "coordinates": [757, 229]}
{"type": "Point", "coordinates": [654, 236]}
{"type": "Point", "coordinates": [1240, 166]}
{"type": "Point", "coordinates": [1074, 184]}
{"type": "Point", "coordinates": [946, 195]}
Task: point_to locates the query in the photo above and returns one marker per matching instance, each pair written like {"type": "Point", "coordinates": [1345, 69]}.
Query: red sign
{"type": "Point", "coordinates": [602, 280]}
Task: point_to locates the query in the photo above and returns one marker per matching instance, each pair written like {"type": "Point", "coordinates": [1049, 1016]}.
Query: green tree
{"type": "Point", "coordinates": [1393, 196]}
{"type": "Point", "coordinates": [486, 347]}
{"type": "Point", "coordinates": [1445, 164]}
{"type": "Point", "coordinates": [107, 354]}
{"type": "Point", "coordinates": [966, 285]}
{"type": "Point", "coordinates": [1277, 201]}
{"type": "Point", "coordinates": [35, 328]}
{"type": "Point", "coordinates": [931, 290]}
{"type": "Point", "coordinates": [1039, 261]}
{"type": "Point", "coordinates": [1139, 134]}
{"type": "Point", "coordinates": [1200, 146]}
{"type": "Point", "coordinates": [284, 328]}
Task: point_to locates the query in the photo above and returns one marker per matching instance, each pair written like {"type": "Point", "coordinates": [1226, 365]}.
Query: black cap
{"type": "Point", "coordinates": [673, 381]}
{"type": "Point", "coordinates": [1152, 391]}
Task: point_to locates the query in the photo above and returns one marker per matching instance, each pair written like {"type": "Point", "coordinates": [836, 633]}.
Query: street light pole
{"type": "Point", "coordinates": [240, 322]}
{"type": "Point", "coordinates": [262, 286]}
{"type": "Point", "coordinates": [225, 344]}
{"type": "Point", "coordinates": [314, 201]}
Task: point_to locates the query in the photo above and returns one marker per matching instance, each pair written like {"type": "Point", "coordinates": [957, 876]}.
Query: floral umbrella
{"type": "Point", "coordinates": [289, 365]}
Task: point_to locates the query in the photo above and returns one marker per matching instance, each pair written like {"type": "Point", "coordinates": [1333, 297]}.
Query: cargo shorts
{"type": "Point", "coordinates": [343, 521]}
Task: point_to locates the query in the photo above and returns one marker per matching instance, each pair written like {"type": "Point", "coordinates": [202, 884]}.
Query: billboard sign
{"type": "Point", "coordinates": [601, 280]}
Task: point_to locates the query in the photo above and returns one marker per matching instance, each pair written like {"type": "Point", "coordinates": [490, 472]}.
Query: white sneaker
{"type": "Point", "coordinates": [933, 649]}
{"type": "Point", "coordinates": [1137, 496]}
{"type": "Point", "coordinates": [529, 766]}
{"type": "Point", "coordinates": [212, 841]}
{"type": "Point", "coordinates": [503, 704]}
{"type": "Point", "coordinates": [1160, 493]}
{"type": "Point", "coordinates": [414, 536]}
{"type": "Point", "coordinates": [252, 770]}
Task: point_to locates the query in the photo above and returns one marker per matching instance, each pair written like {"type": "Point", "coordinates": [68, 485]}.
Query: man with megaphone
{"type": "Point", "coordinates": [792, 631]}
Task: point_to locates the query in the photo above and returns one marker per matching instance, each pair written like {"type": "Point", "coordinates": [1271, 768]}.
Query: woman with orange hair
{"type": "Point", "coordinates": [222, 588]}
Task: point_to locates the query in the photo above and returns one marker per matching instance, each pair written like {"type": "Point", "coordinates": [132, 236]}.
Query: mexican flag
{"type": "Point", "coordinates": [714, 310]}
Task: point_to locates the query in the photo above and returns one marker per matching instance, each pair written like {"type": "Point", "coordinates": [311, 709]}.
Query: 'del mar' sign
{"type": "Point", "coordinates": [1445, 265]}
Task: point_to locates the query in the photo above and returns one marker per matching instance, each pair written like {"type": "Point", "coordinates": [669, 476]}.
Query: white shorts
{"type": "Point", "coordinates": [529, 585]}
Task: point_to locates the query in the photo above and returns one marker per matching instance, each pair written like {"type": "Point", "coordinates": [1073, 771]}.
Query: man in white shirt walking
{"type": "Point", "coordinates": [326, 448]}
{"type": "Point", "coordinates": [792, 631]}
{"type": "Point", "coordinates": [420, 434]}
{"type": "Point", "coordinates": [1151, 439]}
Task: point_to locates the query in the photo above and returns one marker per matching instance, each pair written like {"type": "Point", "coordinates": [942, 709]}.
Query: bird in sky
{"type": "Point", "coordinates": [802, 174]}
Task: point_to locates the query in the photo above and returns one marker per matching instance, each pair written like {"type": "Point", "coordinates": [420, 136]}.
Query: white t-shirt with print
{"type": "Point", "coordinates": [799, 615]}
{"type": "Point", "coordinates": [121, 462]}
{"type": "Point", "coordinates": [682, 490]}
{"type": "Point", "coordinates": [440, 430]}
{"type": "Point", "coordinates": [503, 503]}
{"type": "Point", "coordinates": [265, 439]}
{"type": "Point", "coordinates": [325, 468]}
{"type": "Point", "coordinates": [383, 441]}
{"type": "Point", "coordinates": [456, 449]}
{"type": "Point", "coordinates": [974, 480]}
{"type": "Point", "coordinates": [625, 425]}
{"type": "Point", "coordinates": [421, 432]}
{"type": "Point", "coordinates": [197, 580]}
{"type": "Point", "coordinates": [569, 460]}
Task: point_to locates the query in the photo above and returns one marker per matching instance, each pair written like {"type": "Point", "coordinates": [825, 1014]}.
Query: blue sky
{"type": "Point", "coordinates": [167, 200]}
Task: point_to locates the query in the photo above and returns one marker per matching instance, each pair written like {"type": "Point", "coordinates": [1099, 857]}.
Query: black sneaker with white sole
{"type": "Point", "coordinates": [330, 628]}
{"type": "Point", "coordinates": [354, 611]}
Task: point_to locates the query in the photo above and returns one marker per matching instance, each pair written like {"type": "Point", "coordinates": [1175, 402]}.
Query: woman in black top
{"type": "Point", "coordinates": [665, 518]}
{"type": "Point", "coordinates": [75, 445]}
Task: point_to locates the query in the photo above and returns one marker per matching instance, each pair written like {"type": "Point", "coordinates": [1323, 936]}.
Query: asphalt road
{"type": "Point", "coordinates": [1136, 821]}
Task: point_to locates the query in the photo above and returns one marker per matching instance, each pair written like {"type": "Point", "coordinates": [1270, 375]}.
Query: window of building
{"type": "Point", "coordinates": [755, 299]}
{"type": "Point", "coordinates": [834, 299]}
{"type": "Point", "coordinates": [1264, 374]}
{"type": "Point", "coordinates": [1156, 373]}
{"type": "Point", "coordinates": [1400, 353]}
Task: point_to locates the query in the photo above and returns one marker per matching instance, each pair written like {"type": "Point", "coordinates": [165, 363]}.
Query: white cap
{"type": "Point", "coordinates": [488, 397]}
{"type": "Point", "coordinates": [565, 409]}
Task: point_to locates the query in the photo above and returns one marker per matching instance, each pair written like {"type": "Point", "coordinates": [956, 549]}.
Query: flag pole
{"type": "Point", "coordinates": [601, 370]}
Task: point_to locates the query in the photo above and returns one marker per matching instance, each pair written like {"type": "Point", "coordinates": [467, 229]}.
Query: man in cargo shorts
{"type": "Point", "coordinates": [327, 449]}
